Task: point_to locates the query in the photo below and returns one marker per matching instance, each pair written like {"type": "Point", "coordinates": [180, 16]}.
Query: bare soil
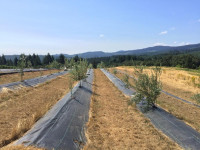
{"type": "Point", "coordinates": [115, 125]}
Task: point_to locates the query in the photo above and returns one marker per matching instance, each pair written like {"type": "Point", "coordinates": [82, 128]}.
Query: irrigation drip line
{"type": "Point", "coordinates": [177, 130]}
{"type": "Point", "coordinates": [63, 127]}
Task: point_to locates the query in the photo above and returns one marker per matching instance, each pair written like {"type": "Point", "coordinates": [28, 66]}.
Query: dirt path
{"type": "Point", "coordinates": [114, 125]}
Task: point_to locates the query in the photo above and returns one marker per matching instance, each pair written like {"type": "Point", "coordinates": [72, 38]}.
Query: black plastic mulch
{"type": "Point", "coordinates": [63, 127]}
{"type": "Point", "coordinates": [32, 82]}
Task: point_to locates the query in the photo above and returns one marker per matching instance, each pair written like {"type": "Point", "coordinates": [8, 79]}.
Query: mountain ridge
{"type": "Point", "coordinates": [144, 51]}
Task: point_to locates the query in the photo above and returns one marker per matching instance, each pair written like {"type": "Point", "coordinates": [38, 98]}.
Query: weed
{"type": "Point", "coordinates": [196, 97]}
{"type": "Point", "coordinates": [114, 71]}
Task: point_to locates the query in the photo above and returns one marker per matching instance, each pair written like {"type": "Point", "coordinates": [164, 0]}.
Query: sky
{"type": "Point", "coordinates": [77, 26]}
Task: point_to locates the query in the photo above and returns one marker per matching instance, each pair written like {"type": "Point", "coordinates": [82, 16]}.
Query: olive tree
{"type": "Point", "coordinates": [147, 86]}
{"type": "Point", "coordinates": [90, 66]}
{"type": "Point", "coordinates": [101, 65]}
{"type": "Point", "coordinates": [22, 64]}
{"type": "Point", "coordinates": [67, 63]}
{"type": "Point", "coordinates": [71, 63]}
{"type": "Point", "coordinates": [126, 81]}
{"type": "Point", "coordinates": [79, 70]}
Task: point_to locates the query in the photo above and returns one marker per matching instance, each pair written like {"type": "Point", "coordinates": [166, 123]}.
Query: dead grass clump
{"type": "Point", "coordinates": [5, 90]}
{"type": "Point", "coordinates": [115, 125]}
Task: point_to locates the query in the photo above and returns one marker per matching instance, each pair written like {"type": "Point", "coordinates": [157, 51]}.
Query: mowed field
{"type": "Point", "coordinates": [8, 78]}
{"type": "Point", "coordinates": [20, 109]}
{"type": "Point", "coordinates": [182, 87]}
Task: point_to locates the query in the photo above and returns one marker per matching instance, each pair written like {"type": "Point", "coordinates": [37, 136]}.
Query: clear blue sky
{"type": "Point", "coordinates": [75, 26]}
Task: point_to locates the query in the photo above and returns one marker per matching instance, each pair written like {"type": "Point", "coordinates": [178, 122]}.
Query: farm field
{"type": "Point", "coordinates": [181, 83]}
{"type": "Point", "coordinates": [20, 109]}
{"type": "Point", "coordinates": [186, 112]}
{"type": "Point", "coordinates": [115, 125]}
{"type": "Point", "coordinates": [8, 78]}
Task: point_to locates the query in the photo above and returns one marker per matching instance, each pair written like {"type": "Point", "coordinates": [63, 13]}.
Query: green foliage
{"type": "Point", "coordinates": [126, 81]}
{"type": "Point", "coordinates": [148, 87]}
{"type": "Point", "coordinates": [196, 97]}
{"type": "Point", "coordinates": [48, 59]}
{"type": "Point", "coordinates": [22, 64]}
{"type": "Point", "coordinates": [55, 65]}
{"type": "Point", "coordinates": [61, 59]}
{"type": "Point", "coordinates": [72, 63]}
{"type": "Point", "coordinates": [29, 64]}
{"type": "Point", "coordinates": [171, 59]}
{"type": "Point", "coordinates": [90, 66]}
{"type": "Point", "coordinates": [114, 71]}
{"type": "Point", "coordinates": [67, 63]}
{"type": "Point", "coordinates": [7, 67]}
{"type": "Point", "coordinates": [101, 65]}
{"type": "Point", "coordinates": [79, 70]}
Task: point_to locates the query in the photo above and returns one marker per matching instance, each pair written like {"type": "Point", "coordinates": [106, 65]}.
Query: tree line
{"type": "Point", "coordinates": [170, 60]}
{"type": "Point", "coordinates": [33, 61]}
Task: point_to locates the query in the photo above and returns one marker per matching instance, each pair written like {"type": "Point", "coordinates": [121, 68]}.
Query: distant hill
{"type": "Point", "coordinates": [145, 51]}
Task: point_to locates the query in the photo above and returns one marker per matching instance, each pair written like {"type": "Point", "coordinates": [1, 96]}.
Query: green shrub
{"type": "Point", "coordinates": [114, 71]}
{"type": "Point", "coordinates": [79, 70]}
{"type": "Point", "coordinates": [55, 65]}
{"type": "Point", "coordinates": [148, 87]}
{"type": "Point", "coordinates": [126, 81]}
{"type": "Point", "coordinates": [101, 65]}
{"type": "Point", "coordinates": [196, 97]}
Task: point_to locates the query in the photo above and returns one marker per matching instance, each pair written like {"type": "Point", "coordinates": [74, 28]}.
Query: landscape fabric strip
{"type": "Point", "coordinates": [12, 71]}
{"type": "Point", "coordinates": [176, 97]}
{"type": "Point", "coordinates": [174, 128]}
{"type": "Point", "coordinates": [63, 126]}
{"type": "Point", "coordinates": [32, 82]}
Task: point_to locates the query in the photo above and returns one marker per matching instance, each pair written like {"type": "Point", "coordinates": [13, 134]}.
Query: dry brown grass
{"type": "Point", "coordinates": [115, 125]}
{"type": "Point", "coordinates": [27, 75]}
{"type": "Point", "coordinates": [21, 147]}
{"type": "Point", "coordinates": [181, 83]}
{"type": "Point", "coordinates": [24, 107]}
{"type": "Point", "coordinates": [188, 113]}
